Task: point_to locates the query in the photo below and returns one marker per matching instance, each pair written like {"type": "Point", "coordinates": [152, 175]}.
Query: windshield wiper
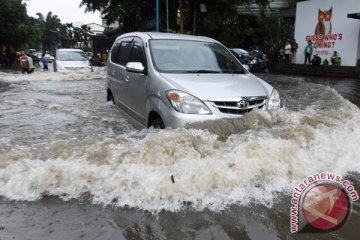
{"type": "Point", "coordinates": [203, 71]}
{"type": "Point", "coordinates": [234, 71]}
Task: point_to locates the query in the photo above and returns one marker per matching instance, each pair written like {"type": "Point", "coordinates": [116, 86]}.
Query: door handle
{"type": "Point", "coordinates": [113, 72]}
{"type": "Point", "coordinates": [127, 78]}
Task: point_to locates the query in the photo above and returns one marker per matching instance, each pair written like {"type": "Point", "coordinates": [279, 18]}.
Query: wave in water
{"type": "Point", "coordinates": [207, 165]}
{"type": "Point", "coordinates": [99, 73]}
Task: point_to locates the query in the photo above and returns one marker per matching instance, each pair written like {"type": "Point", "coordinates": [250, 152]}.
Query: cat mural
{"type": "Point", "coordinates": [324, 22]}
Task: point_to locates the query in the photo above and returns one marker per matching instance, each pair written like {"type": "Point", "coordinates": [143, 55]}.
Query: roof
{"type": "Point", "coordinates": [161, 35]}
{"type": "Point", "coordinates": [69, 50]}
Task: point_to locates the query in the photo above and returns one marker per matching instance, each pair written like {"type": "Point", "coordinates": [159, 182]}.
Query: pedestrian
{"type": "Point", "coordinates": [316, 61]}
{"type": "Point", "coordinates": [44, 62]}
{"type": "Point", "coordinates": [335, 59]}
{"type": "Point", "coordinates": [104, 58]}
{"type": "Point", "coordinates": [308, 51]}
{"type": "Point", "coordinates": [31, 64]}
{"type": "Point", "coordinates": [294, 48]}
{"type": "Point", "coordinates": [24, 62]}
{"type": "Point", "coordinates": [287, 52]}
{"type": "Point", "coordinates": [36, 60]}
{"type": "Point", "coordinates": [4, 60]}
{"type": "Point", "coordinates": [281, 54]}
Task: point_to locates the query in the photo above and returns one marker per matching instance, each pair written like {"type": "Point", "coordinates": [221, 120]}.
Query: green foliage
{"type": "Point", "coordinates": [131, 13]}
{"type": "Point", "coordinates": [16, 29]}
{"type": "Point", "coordinates": [49, 26]}
{"type": "Point", "coordinates": [221, 21]}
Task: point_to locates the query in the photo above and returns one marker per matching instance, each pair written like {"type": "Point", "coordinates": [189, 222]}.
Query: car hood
{"type": "Point", "coordinates": [218, 86]}
{"type": "Point", "coordinates": [72, 63]}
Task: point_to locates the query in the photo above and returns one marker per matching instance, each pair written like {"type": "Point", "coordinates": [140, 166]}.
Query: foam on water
{"type": "Point", "coordinates": [99, 73]}
{"type": "Point", "coordinates": [214, 164]}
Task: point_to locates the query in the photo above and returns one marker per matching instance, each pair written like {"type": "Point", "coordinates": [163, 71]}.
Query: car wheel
{"type": "Point", "coordinates": [158, 124]}
{"type": "Point", "coordinates": [111, 97]}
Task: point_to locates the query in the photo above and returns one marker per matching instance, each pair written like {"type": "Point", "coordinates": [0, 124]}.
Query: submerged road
{"type": "Point", "coordinates": [72, 167]}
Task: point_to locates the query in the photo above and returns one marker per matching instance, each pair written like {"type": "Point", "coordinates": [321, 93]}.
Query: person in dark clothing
{"type": "Point", "coordinates": [4, 60]}
{"type": "Point", "coordinates": [316, 61]}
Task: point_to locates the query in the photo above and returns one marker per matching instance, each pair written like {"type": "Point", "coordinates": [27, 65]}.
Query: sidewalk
{"type": "Point", "coordinates": [319, 71]}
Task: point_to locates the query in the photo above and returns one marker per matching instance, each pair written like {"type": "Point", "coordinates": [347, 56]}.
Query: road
{"type": "Point", "coordinates": [72, 167]}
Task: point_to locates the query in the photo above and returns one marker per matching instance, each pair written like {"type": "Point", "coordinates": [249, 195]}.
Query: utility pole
{"type": "Point", "coordinates": [181, 17]}
{"type": "Point", "coordinates": [157, 16]}
{"type": "Point", "coordinates": [167, 15]}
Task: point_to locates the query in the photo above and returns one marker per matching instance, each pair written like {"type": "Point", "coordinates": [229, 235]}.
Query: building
{"type": "Point", "coordinates": [330, 25]}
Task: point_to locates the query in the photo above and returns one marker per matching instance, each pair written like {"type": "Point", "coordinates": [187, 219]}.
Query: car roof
{"type": "Point", "coordinates": [161, 35]}
{"type": "Point", "coordinates": [238, 49]}
{"type": "Point", "coordinates": [69, 50]}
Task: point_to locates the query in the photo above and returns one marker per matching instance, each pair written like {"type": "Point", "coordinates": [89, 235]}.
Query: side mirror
{"type": "Point", "coordinates": [136, 67]}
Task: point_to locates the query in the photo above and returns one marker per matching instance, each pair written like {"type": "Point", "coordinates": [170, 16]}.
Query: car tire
{"type": "Point", "coordinates": [158, 123]}
{"type": "Point", "coordinates": [111, 97]}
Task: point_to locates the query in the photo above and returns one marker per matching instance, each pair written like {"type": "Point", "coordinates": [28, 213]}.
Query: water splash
{"type": "Point", "coordinates": [208, 165]}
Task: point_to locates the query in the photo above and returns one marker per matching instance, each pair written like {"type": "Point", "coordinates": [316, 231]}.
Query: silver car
{"type": "Point", "coordinates": [71, 59]}
{"type": "Point", "coordinates": [169, 80]}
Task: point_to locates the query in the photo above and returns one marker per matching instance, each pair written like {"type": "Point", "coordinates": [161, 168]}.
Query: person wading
{"type": "Point", "coordinates": [44, 62]}
{"type": "Point", "coordinates": [24, 63]}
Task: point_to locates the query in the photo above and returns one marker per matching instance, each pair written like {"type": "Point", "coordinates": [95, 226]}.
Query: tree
{"type": "Point", "coordinates": [49, 27]}
{"type": "Point", "coordinates": [221, 20]}
{"type": "Point", "coordinates": [85, 37]}
{"type": "Point", "coordinates": [131, 14]}
{"type": "Point", "coordinates": [17, 28]}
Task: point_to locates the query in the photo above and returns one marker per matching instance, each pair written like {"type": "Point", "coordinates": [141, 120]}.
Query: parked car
{"type": "Point", "coordinates": [244, 57]}
{"type": "Point", "coordinates": [69, 59]}
{"type": "Point", "coordinates": [49, 58]}
{"type": "Point", "coordinates": [169, 80]}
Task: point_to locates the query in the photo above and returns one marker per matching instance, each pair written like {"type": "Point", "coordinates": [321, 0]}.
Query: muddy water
{"type": "Point", "coordinates": [87, 173]}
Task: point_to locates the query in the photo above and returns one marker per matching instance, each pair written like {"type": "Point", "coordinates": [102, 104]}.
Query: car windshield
{"type": "Point", "coordinates": [183, 56]}
{"type": "Point", "coordinates": [71, 56]}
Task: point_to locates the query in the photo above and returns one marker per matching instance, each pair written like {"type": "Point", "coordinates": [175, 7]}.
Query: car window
{"type": "Point", "coordinates": [184, 56]}
{"type": "Point", "coordinates": [138, 52]}
{"type": "Point", "coordinates": [71, 56]}
{"type": "Point", "coordinates": [114, 51]}
{"type": "Point", "coordinates": [124, 53]}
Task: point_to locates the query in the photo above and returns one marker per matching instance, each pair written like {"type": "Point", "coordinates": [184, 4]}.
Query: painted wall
{"type": "Point", "coordinates": [334, 32]}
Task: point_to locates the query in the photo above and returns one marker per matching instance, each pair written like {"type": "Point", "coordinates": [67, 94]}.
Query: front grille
{"type": "Point", "coordinates": [74, 68]}
{"type": "Point", "coordinates": [232, 107]}
{"type": "Point", "coordinates": [234, 104]}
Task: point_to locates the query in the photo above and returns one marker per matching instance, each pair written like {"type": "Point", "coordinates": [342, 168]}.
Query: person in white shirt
{"type": "Point", "coordinates": [287, 52]}
{"type": "Point", "coordinates": [31, 64]}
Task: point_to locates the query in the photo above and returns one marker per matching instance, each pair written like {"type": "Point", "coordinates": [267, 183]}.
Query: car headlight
{"type": "Point", "coordinates": [88, 68]}
{"type": "Point", "coordinates": [60, 67]}
{"type": "Point", "coordinates": [186, 103]}
{"type": "Point", "coordinates": [274, 100]}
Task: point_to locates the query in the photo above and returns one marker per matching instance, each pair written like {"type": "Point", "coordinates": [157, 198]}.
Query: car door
{"type": "Point", "coordinates": [135, 96]}
{"type": "Point", "coordinates": [118, 72]}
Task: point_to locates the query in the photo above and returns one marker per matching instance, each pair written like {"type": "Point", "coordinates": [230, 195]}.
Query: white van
{"type": "Point", "coordinates": [70, 59]}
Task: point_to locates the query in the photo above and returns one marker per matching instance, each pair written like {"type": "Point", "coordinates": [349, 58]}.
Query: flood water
{"type": "Point", "coordinates": [72, 167]}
